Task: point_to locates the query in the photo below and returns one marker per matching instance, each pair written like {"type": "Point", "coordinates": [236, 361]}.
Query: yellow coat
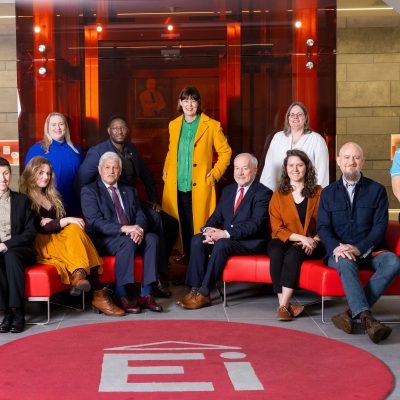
{"type": "Point", "coordinates": [209, 137]}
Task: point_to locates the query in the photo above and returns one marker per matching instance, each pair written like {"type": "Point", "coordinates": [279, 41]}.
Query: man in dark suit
{"type": "Point", "coordinates": [17, 232]}
{"type": "Point", "coordinates": [118, 226]}
{"type": "Point", "coordinates": [133, 167]}
{"type": "Point", "coordinates": [238, 226]}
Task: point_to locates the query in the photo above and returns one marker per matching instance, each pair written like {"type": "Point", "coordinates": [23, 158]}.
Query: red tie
{"type": "Point", "coordinates": [239, 200]}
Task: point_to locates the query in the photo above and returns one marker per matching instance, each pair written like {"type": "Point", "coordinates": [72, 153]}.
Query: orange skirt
{"type": "Point", "coordinates": [67, 250]}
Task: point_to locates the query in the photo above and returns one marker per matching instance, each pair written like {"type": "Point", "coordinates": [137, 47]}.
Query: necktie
{"type": "Point", "coordinates": [118, 208]}
{"type": "Point", "coordinates": [239, 200]}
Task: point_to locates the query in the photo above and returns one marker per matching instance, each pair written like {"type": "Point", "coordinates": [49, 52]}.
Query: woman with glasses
{"type": "Point", "coordinates": [296, 134]}
{"type": "Point", "coordinates": [189, 172]}
{"type": "Point", "coordinates": [65, 158]}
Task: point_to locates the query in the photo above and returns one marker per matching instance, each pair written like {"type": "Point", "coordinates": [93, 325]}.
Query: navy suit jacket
{"type": "Point", "coordinates": [250, 223]}
{"type": "Point", "coordinates": [88, 171]}
{"type": "Point", "coordinates": [99, 210]}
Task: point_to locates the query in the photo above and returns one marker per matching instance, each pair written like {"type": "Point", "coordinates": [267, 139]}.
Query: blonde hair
{"type": "Point", "coordinates": [47, 140]}
{"type": "Point", "coordinates": [27, 185]}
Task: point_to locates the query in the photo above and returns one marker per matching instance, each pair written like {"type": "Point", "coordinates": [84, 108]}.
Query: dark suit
{"type": "Point", "coordinates": [165, 226]}
{"type": "Point", "coordinates": [105, 231]}
{"type": "Point", "coordinates": [247, 230]}
{"type": "Point", "coordinates": [19, 254]}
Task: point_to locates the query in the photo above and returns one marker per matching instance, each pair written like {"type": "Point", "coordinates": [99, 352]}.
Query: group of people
{"type": "Point", "coordinates": [291, 213]}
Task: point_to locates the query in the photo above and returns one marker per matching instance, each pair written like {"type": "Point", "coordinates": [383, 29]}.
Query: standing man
{"type": "Point", "coordinates": [395, 172]}
{"type": "Point", "coordinates": [134, 168]}
{"type": "Point", "coordinates": [118, 226]}
{"type": "Point", "coordinates": [352, 221]}
{"type": "Point", "coordinates": [242, 212]}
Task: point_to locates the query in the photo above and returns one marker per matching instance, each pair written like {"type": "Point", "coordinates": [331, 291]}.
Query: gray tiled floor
{"type": "Point", "coordinates": [249, 303]}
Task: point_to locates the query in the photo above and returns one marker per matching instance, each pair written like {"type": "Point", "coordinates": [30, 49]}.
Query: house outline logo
{"type": "Point", "coordinates": [120, 363]}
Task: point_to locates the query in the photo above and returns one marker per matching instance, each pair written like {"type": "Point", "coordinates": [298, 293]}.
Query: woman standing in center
{"type": "Point", "coordinates": [293, 211]}
{"type": "Point", "coordinates": [189, 176]}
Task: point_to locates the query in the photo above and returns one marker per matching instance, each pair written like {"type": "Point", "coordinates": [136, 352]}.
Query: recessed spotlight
{"type": "Point", "coordinates": [170, 28]}
{"type": "Point", "coordinates": [99, 28]}
{"type": "Point", "coordinates": [298, 24]}
{"type": "Point", "coordinates": [36, 29]}
{"type": "Point", "coordinates": [42, 71]}
{"type": "Point", "coordinates": [42, 48]}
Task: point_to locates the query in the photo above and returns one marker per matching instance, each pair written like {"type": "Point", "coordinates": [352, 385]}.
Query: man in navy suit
{"type": "Point", "coordinates": [134, 169]}
{"type": "Point", "coordinates": [118, 226]}
{"type": "Point", "coordinates": [238, 226]}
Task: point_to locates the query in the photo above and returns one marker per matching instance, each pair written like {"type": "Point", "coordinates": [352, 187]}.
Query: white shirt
{"type": "Point", "coordinates": [116, 191]}
{"type": "Point", "coordinates": [313, 144]}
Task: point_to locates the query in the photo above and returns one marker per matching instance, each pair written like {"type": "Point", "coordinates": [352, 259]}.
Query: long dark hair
{"type": "Point", "coordinates": [190, 92]}
{"type": "Point", "coordinates": [310, 179]}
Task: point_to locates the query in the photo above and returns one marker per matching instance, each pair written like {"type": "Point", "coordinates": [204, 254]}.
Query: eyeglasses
{"type": "Point", "coordinates": [298, 115]}
{"type": "Point", "coordinates": [119, 128]}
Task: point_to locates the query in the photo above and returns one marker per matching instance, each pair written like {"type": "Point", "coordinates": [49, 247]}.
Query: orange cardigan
{"type": "Point", "coordinates": [285, 218]}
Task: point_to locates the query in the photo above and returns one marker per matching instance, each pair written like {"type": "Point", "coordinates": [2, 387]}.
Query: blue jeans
{"type": "Point", "coordinates": [386, 266]}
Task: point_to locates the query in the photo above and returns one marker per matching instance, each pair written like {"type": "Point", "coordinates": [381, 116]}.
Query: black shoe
{"type": "Point", "coordinates": [344, 321]}
{"type": "Point", "coordinates": [160, 290]}
{"type": "Point", "coordinates": [5, 325]}
{"type": "Point", "coordinates": [18, 324]}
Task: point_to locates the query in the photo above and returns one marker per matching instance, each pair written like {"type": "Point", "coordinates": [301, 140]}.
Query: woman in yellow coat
{"type": "Point", "coordinates": [189, 175]}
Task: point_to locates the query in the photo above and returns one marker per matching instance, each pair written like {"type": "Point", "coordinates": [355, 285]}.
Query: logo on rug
{"type": "Point", "coordinates": [174, 366]}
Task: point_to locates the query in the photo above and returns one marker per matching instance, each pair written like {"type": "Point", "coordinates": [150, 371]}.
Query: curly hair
{"type": "Point", "coordinates": [310, 178]}
{"type": "Point", "coordinates": [27, 185]}
{"type": "Point", "coordinates": [47, 139]}
{"type": "Point", "coordinates": [286, 127]}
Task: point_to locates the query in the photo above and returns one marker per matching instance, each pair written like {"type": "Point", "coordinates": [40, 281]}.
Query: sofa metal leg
{"type": "Point", "coordinates": [225, 302]}
{"type": "Point", "coordinates": [45, 299]}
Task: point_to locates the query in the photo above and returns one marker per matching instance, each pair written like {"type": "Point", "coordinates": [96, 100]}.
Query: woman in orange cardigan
{"type": "Point", "coordinates": [293, 213]}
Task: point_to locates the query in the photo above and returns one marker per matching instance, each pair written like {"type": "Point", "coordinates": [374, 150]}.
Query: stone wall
{"type": "Point", "coordinates": [8, 79]}
{"type": "Point", "coordinates": [368, 88]}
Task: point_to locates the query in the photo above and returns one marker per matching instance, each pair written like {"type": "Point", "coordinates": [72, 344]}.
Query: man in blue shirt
{"type": "Point", "coordinates": [352, 221]}
{"type": "Point", "coordinates": [395, 173]}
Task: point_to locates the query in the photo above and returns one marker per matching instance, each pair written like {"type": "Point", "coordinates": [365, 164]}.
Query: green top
{"type": "Point", "coordinates": [185, 153]}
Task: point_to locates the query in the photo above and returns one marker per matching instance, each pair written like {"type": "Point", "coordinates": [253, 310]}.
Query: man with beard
{"type": "Point", "coordinates": [352, 221]}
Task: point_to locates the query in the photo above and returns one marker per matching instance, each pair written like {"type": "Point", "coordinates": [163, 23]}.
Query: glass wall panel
{"type": "Point", "coordinates": [246, 56]}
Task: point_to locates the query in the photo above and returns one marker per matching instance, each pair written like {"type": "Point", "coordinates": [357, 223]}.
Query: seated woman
{"type": "Point", "coordinates": [293, 214]}
{"type": "Point", "coordinates": [61, 241]}
{"type": "Point", "coordinates": [17, 231]}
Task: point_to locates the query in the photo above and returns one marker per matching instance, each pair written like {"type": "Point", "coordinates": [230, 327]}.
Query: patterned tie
{"type": "Point", "coordinates": [118, 208]}
{"type": "Point", "coordinates": [239, 200]}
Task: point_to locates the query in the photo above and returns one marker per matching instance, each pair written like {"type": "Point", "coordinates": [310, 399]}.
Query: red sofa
{"type": "Point", "coordinates": [314, 275]}
{"type": "Point", "coordinates": [42, 281]}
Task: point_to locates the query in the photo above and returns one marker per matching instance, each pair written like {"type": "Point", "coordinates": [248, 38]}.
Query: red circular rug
{"type": "Point", "coordinates": [186, 360]}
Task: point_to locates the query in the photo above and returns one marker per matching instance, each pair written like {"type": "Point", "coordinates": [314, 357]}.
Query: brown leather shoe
{"type": "Point", "coordinates": [196, 301]}
{"type": "Point", "coordinates": [186, 297]}
{"type": "Point", "coordinates": [283, 314]}
{"type": "Point", "coordinates": [344, 321]}
{"type": "Point", "coordinates": [295, 309]}
{"type": "Point", "coordinates": [126, 305]}
{"type": "Point", "coordinates": [375, 329]}
{"type": "Point", "coordinates": [148, 302]}
{"type": "Point", "coordinates": [102, 303]}
{"type": "Point", "coordinates": [79, 281]}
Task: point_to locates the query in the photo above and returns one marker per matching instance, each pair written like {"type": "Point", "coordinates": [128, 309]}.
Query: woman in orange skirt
{"type": "Point", "coordinates": [62, 241]}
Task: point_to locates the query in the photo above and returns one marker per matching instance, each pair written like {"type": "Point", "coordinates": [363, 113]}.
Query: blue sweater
{"type": "Point", "coordinates": [362, 224]}
{"type": "Point", "coordinates": [65, 163]}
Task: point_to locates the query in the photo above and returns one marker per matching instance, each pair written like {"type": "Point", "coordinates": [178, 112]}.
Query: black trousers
{"type": "Point", "coordinates": [12, 276]}
{"type": "Point", "coordinates": [207, 261]}
{"type": "Point", "coordinates": [166, 228]}
{"type": "Point", "coordinates": [285, 263]}
{"type": "Point", "coordinates": [186, 219]}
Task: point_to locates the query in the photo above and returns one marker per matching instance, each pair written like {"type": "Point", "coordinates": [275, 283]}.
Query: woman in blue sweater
{"type": "Point", "coordinates": [65, 158]}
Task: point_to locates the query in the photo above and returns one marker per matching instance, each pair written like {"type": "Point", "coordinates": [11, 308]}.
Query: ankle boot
{"type": "Point", "coordinates": [375, 329]}
{"type": "Point", "coordinates": [102, 303]}
{"type": "Point", "coordinates": [79, 282]}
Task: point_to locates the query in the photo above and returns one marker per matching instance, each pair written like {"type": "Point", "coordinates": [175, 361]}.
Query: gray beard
{"type": "Point", "coordinates": [352, 176]}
